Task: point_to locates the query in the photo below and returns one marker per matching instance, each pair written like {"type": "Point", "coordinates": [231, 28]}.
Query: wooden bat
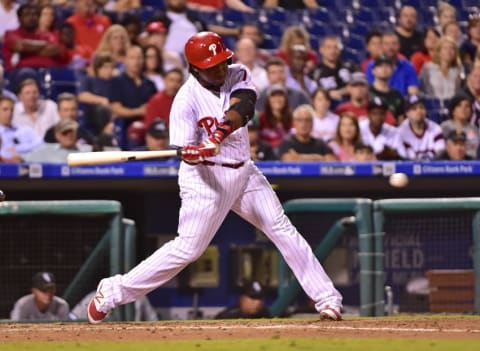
{"type": "Point", "coordinates": [105, 157]}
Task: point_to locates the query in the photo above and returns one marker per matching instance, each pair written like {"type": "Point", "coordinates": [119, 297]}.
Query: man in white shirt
{"type": "Point", "coordinates": [246, 54]}
{"type": "Point", "coordinates": [15, 141]}
{"type": "Point", "coordinates": [382, 137]}
{"type": "Point", "coordinates": [422, 139]}
{"type": "Point", "coordinates": [33, 111]}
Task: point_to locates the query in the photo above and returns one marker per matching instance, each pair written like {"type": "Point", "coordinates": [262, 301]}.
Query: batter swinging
{"type": "Point", "coordinates": [208, 119]}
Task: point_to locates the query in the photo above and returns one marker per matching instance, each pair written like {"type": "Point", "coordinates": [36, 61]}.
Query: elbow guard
{"type": "Point", "coordinates": [246, 106]}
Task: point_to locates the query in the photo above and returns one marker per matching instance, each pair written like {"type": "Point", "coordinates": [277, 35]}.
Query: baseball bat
{"type": "Point", "coordinates": [105, 157]}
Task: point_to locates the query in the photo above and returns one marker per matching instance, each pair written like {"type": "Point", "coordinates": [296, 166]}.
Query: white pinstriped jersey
{"type": "Point", "coordinates": [196, 111]}
{"type": "Point", "coordinates": [421, 147]}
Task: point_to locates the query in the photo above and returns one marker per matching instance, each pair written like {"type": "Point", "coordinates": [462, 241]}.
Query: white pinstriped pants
{"type": "Point", "coordinates": [208, 193]}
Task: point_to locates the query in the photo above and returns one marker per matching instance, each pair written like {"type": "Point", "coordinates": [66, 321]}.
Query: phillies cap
{"type": "Point", "coordinates": [43, 280]}
{"type": "Point", "coordinates": [457, 135]}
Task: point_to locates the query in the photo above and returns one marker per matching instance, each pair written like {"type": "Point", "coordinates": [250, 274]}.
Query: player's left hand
{"type": "Point", "coordinates": [197, 153]}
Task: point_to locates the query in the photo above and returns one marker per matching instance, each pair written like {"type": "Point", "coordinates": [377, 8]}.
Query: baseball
{"type": "Point", "coordinates": [398, 180]}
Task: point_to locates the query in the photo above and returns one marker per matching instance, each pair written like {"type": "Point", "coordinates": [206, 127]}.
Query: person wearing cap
{"type": "Point", "coordinates": [382, 137]}
{"type": "Point", "coordinates": [251, 303]}
{"type": "Point", "coordinates": [382, 71]}
{"type": "Point", "coordinates": [67, 142]}
{"type": "Point", "coordinates": [442, 77]}
{"type": "Point", "coordinates": [460, 113]}
{"type": "Point", "coordinates": [357, 104]}
{"type": "Point", "coordinates": [156, 136]}
{"type": "Point", "coordinates": [455, 147]}
{"type": "Point", "coordinates": [404, 78]}
{"type": "Point", "coordinates": [41, 304]}
{"type": "Point", "coordinates": [301, 146]}
{"type": "Point", "coordinates": [421, 138]}
{"type": "Point", "coordinates": [276, 118]}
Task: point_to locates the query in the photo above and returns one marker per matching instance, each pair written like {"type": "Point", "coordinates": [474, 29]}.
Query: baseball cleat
{"type": "Point", "coordinates": [330, 314]}
{"type": "Point", "coordinates": [94, 314]}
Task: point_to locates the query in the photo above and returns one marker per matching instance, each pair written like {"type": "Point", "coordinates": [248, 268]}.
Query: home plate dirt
{"type": "Point", "coordinates": [416, 327]}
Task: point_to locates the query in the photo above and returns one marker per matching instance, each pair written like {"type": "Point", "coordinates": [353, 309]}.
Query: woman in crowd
{"type": "Point", "coordinates": [276, 118]}
{"type": "Point", "coordinates": [442, 78]}
{"type": "Point", "coordinates": [430, 41]}
{"type": "Point", "coordinates": [47, 20]}
{"type": "Point", "coordinates": [347, 136]}
{"type": "Point", "coordinates": [116, 42]}
{"type": "Point", "coordinates": [153, 65]}
{"type": "Point", "coordinates": [325, 121]}
{"type": "Point", "coordinates": [296, 35]}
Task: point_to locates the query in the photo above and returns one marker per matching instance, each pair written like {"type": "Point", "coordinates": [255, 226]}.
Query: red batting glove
{"type": "Point", "coordinates": [197, 153]}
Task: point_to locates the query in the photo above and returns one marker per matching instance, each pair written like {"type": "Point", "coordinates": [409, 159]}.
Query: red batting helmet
{"type": "Point", "coordinates": [206, 49]}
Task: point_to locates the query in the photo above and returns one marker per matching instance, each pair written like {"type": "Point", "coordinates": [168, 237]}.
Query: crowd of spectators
{"type": "Point", "coordinates": [414, 95]}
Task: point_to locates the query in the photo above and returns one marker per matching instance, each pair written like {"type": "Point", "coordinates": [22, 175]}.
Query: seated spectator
{"type": "Point", "coordinates": [246, 54]}
{"type": "Point", "coordinates": [426, 52]}
{"type": "Point", "coordinates": [8, 13]}
{"type": "Point", "coordinates": [116, 42]}
{"type": "Point", "coordinates": [121, 6]}
{"type": "Point", "coordinates": [276, 74]}
{"type": "Point", "coordinates": [25, 47]}
{"type": "Point", "coordinates": [3, 91]}
{"type": "Point", "coordinates": [33, 111]}
{"type": "Point", "coordinates": [382, 137]}
{"type": "Point", "coordinates": [421, 138]}
{"type": "Point", "coordinates": [133, 25]}
{"type": "Point", "coordinates": [446, 13]}
{"type": "Point", "coordinates": [404, 78]}
{"type": "Point", "coordinates": [460, 112]}
{"type": "Point", "coordinates": [251, 31]}
{"type": "Point", "coordinates": [373, 43]}
{"type": "Point", "coordinates": [442, 77]}
{"type": "Point", "coordinates": [291, 5]}
{"type": "Point", "coordinates": [346, 137]}
{"type": "Point", "coordinates": [68, 109]}
{"type": "Point", "coordinates": [160, 104]}
{"type": "Point", "coordinates": [259, 150]}
{"type": "Point", "coordinates": [89, 26]}
{"type": "Point", "coordinates": [276, 117]}
{"type": "Point", "coordinates": [96, 91]}
{"type": "Point", "coordinates": [47, 20]}
{"type": "Point", "coordinates": [454, 31]}
{"type": "Point", "coordinates": [472, 90]}
{"type": "Point", "coordinates": [156, 35]}
{"type": "Point", "coordinates": [251, 303]}
{"type": "Point", "coordinates": [80, 54]}
{"type": "Point", "coordinates": [455, 147]}
{"type": "Point", "coordinates": [297, 66]}
{"type": "Point", "coordinates": [364, 153]}
{"type": "Point", "coordinates": [41, 304]}
{"type": "Point", "coordinates": [296, 35]}
{"type": "Point", "coordinates": [153, 66]}
{"type": "Point", "coordinates": [131, 94]}
{"type": "Point", "coordinates": [301, 146]}
{"type": "Point", "coordinates": [470, 48]}
{"type": "Point", "coordinates": [332, 73]}
{"type": "Point", "coordinates": [14, 141]}
{"type": "Point", "coordinates": [325, 122]}
{"type": "Point", "coordinates": [406, 30]}
{"type": "Point", "coordinates": [358, 92]}
{"type": "Point", "coordinates": [382, 71]}
{"type": "Point", "coordinates": [66, 143]}
{"type": "Point", "coordinates": [216, 5]}
{"type": "Point", "coordinates": [157, 136]}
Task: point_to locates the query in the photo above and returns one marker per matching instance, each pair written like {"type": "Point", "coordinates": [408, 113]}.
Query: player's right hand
{"type": "Point", "coordinates": [197, 153]}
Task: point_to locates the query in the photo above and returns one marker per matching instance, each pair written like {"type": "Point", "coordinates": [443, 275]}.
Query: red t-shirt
{"type": "Point", "coordinates": [361, 112]}
{"type": "Point", "coordinates": [418, 59]}
{"type": "Point", "coordinates": [272, 135]}
{"type": "Point", "coordinates": [158, 106]}
{"type": "Point", "coordinates": [218, 4]}
{"type": "Point", "coordinates": [89, 30]}
{"type": "Point", "coordinates": [31, 60]}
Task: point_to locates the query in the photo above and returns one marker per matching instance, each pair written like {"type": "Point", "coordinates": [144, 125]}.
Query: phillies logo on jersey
{"type": "Point", "coordinates": [208, 123]}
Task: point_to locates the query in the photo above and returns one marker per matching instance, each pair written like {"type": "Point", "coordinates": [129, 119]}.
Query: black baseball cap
{"type": "Point", "coordinates": [456, 135]}
{"type": "Point", "coordinates": [413, 100]}
{"type": "Point", "coordinates": [253, 289]}
{"type": "Point", "coordinates": [158, 129]}
{"type": "Point", "coordinates": [377, 102]}
{"type": "Point", "coordinates": [43, 281]}
{"type": "Point", "coordinates": [382, 59]}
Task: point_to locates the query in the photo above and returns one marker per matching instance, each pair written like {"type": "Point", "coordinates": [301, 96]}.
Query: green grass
{"type": "Point", "coordinates": [272, 344]}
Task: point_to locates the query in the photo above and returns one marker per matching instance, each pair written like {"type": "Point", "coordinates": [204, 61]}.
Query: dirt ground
{"type": "Point", "coordinates": [416, 327]}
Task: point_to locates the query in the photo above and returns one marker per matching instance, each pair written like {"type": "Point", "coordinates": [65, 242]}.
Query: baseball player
{"type": "Point", "coordinates": [208, 120]}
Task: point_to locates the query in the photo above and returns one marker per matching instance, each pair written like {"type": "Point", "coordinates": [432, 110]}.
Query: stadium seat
{"type": "Point", "coordinates": [271, 42]}
{"type": "Point", "coordinates": [316, 28]}
{"type": "Point", "coordinates": [320, 15]}
{"type": "Point", "coordinates": [275, 15]}
{"type": "Point", "coordinates": [157, 4]}
{"type": "Point", "coordinates": [57, 80]}
{"type": "Point", "coordinates": [233, 16]}
{"type": "Point", "coordinates": [354, 41]}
